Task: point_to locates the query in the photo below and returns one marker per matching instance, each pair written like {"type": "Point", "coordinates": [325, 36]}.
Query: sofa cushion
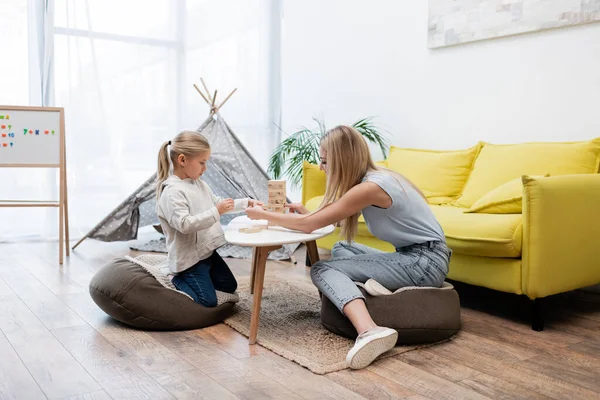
{"type": "Point", "coordinates": [488, 235]}
{"type": "Point", "coordinates": [505, 199]}
{"type": "Point", "coordinates": [440, 174]}
{"type": "Point", "coordinates": [498, 164]}
{"type": "Point", "coordinates": [313, 204]}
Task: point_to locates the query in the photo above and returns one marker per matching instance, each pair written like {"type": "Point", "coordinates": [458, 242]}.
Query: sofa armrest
{"type": "Point", "coordinates": [313, 181]}
{"type": "Point", "coordinates": [561, 234]}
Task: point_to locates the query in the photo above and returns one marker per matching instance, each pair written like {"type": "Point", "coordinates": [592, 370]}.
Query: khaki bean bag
{"type": "Point", "coordinates": [420, 315]}
{"type": "Point", "coordinates": [132, 295]}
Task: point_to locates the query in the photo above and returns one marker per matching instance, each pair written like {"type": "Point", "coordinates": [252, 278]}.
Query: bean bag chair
{"type": "Point", "coordinates": [140, 297]}
{"type": "Point", "coordinates": [420, 314]}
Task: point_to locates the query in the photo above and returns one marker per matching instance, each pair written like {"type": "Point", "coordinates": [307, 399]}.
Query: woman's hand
{"type": "Point", "coordinates": [252, 203]}
{"type": "Point", "coordinates": [255, 212]}
{"type": "Point", "coordinates": [297, 207]}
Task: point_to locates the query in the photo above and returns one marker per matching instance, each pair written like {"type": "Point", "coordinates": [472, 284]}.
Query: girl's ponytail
{"type": "Point", "coordinates": [162, 171]}
{"type": "Point", "coordinates": [188, 143]}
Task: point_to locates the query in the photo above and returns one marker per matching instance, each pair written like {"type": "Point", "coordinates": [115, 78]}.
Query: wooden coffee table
{"type": "Point", "coordinates": [262, 244]}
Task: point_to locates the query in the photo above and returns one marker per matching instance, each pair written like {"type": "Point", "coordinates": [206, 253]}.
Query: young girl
{"type": "Point", "coordinates": [395, 211]}
{"type": "Point", "coordinates": [189, 214]}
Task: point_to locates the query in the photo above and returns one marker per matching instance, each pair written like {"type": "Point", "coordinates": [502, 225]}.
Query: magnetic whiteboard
{"type": "Point", "coordinates": [30, 136]}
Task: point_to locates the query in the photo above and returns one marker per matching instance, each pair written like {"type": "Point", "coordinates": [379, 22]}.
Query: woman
{"type": "Point", "coordinates": [395, 211]}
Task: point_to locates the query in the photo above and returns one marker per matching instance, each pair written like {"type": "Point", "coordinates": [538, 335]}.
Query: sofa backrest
{"type": "Point", "coordinates": [440, 174]}
{"type": "Point", "coordinates": [461, 177]}
{"type": "Point", "coordinates": [496, 164]}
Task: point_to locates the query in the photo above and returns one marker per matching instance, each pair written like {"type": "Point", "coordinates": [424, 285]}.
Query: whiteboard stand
{"type": "Point", "coordinates": [34, 137]}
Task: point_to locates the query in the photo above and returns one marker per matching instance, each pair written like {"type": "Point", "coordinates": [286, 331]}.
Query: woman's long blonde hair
{"type": "Point", "coordinates": [188, 143]}
{"type": "Point", "coordinates": [348, 161]}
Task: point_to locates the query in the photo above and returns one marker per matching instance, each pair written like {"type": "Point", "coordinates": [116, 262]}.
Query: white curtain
{"type": "Point", "coordinates": [26, 79]}
{"type": "Point", "coordinates": [123, 71]}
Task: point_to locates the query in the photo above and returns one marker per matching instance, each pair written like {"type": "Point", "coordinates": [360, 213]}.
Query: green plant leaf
{"type": "Point", "coordinates": [370, 131]}
{"type": "Point", "coordinates": [288, 157]}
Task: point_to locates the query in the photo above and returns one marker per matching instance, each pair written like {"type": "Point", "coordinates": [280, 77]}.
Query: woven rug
{"type": "Point", "coordinates": [290, 326]}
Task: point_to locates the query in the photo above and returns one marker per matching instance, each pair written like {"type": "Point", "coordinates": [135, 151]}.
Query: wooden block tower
{"type": "Point", "coordinates": [277, 196]}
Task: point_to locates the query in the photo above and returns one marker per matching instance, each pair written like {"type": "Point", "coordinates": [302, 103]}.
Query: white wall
{"type": "Point", "coordinates": [348, 59]}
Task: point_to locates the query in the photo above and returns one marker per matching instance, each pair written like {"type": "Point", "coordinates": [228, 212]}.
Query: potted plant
{"type": "Point", "coordinates": [303, 145]}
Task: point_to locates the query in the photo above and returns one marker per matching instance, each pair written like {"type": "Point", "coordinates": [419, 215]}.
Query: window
{"type": "Point", "coordinates": [124, 70]}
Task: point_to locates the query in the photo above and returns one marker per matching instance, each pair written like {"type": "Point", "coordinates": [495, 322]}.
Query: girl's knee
{"type": "Point", "coordinates": [209, 300]}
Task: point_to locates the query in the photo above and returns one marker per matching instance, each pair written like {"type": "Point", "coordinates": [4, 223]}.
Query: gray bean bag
{"type": "Point", "coordinates": [420, 315]}
{"type": "Point", "coordinates": [130, 294]}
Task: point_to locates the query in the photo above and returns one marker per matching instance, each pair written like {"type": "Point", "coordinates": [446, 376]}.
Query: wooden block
{"type": "Point", "coordinates": [277, 197]}
{"type": "Point", "coordinates": [252, 229]}
{"type": "Point", "coordinates": [278, 185]}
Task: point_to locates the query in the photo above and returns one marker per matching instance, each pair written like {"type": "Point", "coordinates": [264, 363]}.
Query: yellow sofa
{"type": "Point", "coordinates": [520, 218]}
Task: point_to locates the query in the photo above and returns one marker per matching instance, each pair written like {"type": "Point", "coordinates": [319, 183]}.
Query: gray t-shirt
{"type": "Point", "coordinates": [408, 221]}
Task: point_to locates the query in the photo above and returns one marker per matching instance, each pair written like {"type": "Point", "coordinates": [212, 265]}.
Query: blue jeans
{"type": "Point", "coordinates": [201, 280]}
{"type": "Point", "coordinates": [424, 264]}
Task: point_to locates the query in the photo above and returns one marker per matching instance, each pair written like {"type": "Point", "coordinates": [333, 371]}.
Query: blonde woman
{"type": "Point", "coordinates": [189, 214]}
{"type": "Point", "coordinates": [395, 211]}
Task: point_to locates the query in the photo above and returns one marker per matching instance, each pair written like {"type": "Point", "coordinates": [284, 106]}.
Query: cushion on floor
{"type": "Point", "coordinates": [130, 294]}
{"type": "Point", "coordinates": [488, 235]}
{"type": "Point", "coordinates": [420, 315]}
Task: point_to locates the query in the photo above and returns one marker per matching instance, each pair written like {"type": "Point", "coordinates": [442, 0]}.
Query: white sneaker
{"type": "Point", "coordinates": [375, 288]}
{"type": "Point", "coordinates": [369, 345]}
{"type": "Point", "coordinates": [224, 297]}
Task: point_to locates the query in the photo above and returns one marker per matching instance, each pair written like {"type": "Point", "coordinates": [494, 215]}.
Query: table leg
{"type": "Point", "coordinates": [312, 253]}
{"type": "Point", "coordinates": [259, 277]}
{"type": "Point", "coordinates": [253, 269]}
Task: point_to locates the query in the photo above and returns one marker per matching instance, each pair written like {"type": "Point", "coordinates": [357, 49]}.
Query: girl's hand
{"type": "Point", "coordinates": [297, 207]}
{"type": "Point", "coordinates": [252, 203]}
{"type": "Point", "coordinates": [225, 205]}
{"type": "Point", "coordinates": [255, 212]}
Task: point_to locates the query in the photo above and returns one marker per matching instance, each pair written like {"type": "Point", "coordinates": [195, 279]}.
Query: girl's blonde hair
{"type": "Point", "coordinates": [348, 161]}
{"type": "Point", "coordinates": [188, 143]}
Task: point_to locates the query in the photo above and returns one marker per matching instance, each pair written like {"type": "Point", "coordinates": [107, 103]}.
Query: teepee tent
{"type": "Point", "coordinates": [232, 172]}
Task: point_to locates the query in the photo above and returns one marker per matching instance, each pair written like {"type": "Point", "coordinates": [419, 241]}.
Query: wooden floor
{"type": "Point", "coordinates": [55, 343]}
